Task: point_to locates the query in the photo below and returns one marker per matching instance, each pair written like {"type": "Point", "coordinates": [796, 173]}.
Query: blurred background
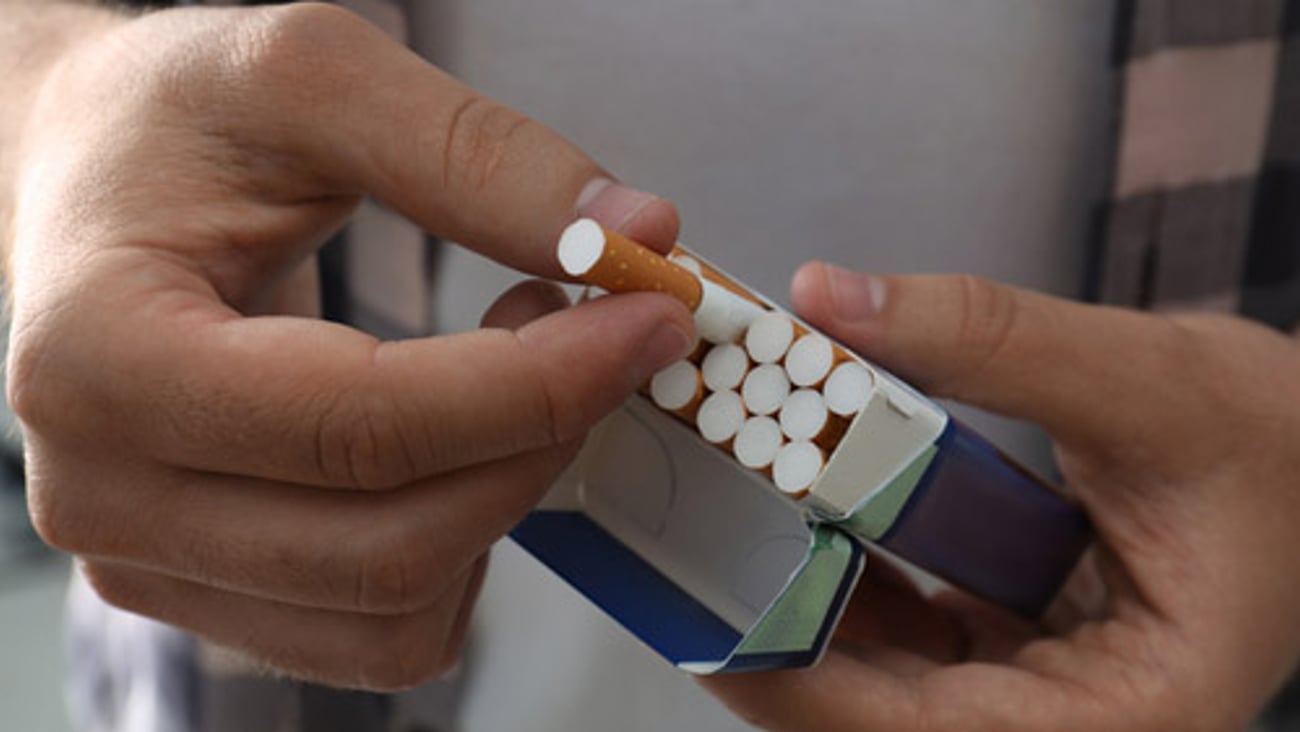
{"type": "Point", "coordinates": [32, 582]}
{"type": "Point", "coordinates": [940, 119]}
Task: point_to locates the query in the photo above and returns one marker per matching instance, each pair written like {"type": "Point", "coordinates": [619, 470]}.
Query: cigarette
{"type": "Point", "coordinates": [606, 259]}
{"type": "Point", "coordinates": [710, 274]}
{"type": "Point", "coordinates": [796, 467]}
{"type": "Point", "coordinates": [678, 389]}
{"type": "Point", "coordinates": [723, 316]}
{"type": "Point", "coordinates": [724, 367]}
{"type": "Point", "coordinates": [758, 442]}
{"type": "Point", "coordinates": [720, 417]}
{"type": "Point", "coordinates": [765, 389]}
{"type": "Point", "coordinates": [804, 416]}
{"type": "Point", "coordinates": [769, 337]}
{"type": "Point", "coordinates": [848, 389]}
{"type": "Point", "coordinates": [686, 262]}
{"type": "Point", "coordinates": [810, 360]}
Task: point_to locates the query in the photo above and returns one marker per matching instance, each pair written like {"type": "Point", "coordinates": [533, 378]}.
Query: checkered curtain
{"type": "Point", "coordinates": [1205, 210]}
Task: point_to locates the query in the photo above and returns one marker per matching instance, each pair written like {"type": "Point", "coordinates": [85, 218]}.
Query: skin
{"type": "Point", "coordinates": [217, 458]}
{"type": "Point", "coordinates": [323, 502]}
{"type": "Point", "coordinates": [1177, 434]}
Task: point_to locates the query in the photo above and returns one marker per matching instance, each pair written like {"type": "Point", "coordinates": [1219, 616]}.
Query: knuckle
{"type": "Point", "coordinates": [545, 409]}
{"type": "Point", "coordinates": [396, 576]}
{"type": "Point", "coordinates": [31, 389]}
{"type": "Point", "coordinates": [363, 448]}
{"type": "Point", "coordinates": [113, 586]}
{"type": "Point", "coordinates": [301, 31]}
{"type": "Point", "coordinates": [287, 46]}
{"type": "Point", "coordinates": [989, 316]}
{"type": "Point", "coordinates": [478, 139]}
{"type": "Point", "coordinates": [374, 460]}
{"type": "Point", "coordinates": [56, 518]}
{"type": "Point", "coordinates": [359, 444]}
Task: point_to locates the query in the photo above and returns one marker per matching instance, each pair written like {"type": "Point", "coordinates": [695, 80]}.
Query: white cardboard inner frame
{"type": "Point", "coordinates": [720, 531]}
{"type": "Point", "coordinates": [896, 425]}
{"type": "Point", "coordinates": [713, 527]}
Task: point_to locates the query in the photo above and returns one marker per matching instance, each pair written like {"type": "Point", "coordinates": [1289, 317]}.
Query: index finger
{"type": "Point", "coordinates": [459, 164]}
{"type": "Point", "coordinates": [316, 403]}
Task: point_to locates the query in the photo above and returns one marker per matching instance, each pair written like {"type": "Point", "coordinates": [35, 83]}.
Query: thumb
{"type": "Point", "coordinates": [371, 114]}
{"type": "Point", "coordinates": [1078, 370]}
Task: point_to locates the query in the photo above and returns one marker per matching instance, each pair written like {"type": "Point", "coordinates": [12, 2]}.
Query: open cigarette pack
{"type": "Point", "coordinates": [720, 515]}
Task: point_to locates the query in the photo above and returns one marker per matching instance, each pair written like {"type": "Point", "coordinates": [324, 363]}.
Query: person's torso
{"type": "Point", "coordinates": [887, 135]}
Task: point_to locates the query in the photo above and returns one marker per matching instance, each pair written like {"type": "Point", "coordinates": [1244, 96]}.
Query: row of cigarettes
{"type": "Point", "coordinates": [780, 402]}
{"type": "Point", "coordinates": [775, 395]}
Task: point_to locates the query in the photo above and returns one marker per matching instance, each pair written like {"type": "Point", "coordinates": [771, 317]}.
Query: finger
{"type": "Point", "coordinates": [461, 165]}
{"type": "Point", "coordinates": [459, 635]}
{"type": "Point", "coordinates": [524, 303]}
{"type": "Point", "coordinates": [1012, 351]}
{"type": "Point", "coordinates": [891, 624]}
{"type": "Point", "coordinates": [392, 552]}
{"type": "Point", "coordinates": [304, 401]}
{"type": "Point", "coordinates": [888, 610]}
{"type": "Point", "coordinates": [824, 697]}
{"type": "Point", "coordinates": [844, 694]}
{"type": "Point", "coordinates": [341, 649]}
{"type": "Point", "coordinates": [991, 633]}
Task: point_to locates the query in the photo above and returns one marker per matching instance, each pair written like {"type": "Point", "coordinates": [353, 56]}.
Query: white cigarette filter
{"type": "Point", "coordinates": [848, 388]}
{"type": "Point", "coordinates": [765, 389]}
{"type": "Point", "coordinates": [688, 263]}
{"type": "Point", "coordinates": [720, 417]}
{"type": "Point", "coordinates": [723, 316]}
{"type": "Point", "coordinates": [677, 388]}
{"type": "Point", "coordinates": [804, 415]}
{"type": "Point", "coordinates": [758, 442]}
{"type": "Point", "coordinates": [810, 360]}
{"type": "Point", "coordinates": [606, 259]}
{"type": "Point", "coordinates": [769, 337]}
{"type": "Point", "coordinates": [724, 367]}
{"type": "Point", "coordinates": [796, 467]}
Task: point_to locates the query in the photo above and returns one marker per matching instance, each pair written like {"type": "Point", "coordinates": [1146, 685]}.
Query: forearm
{"type": "Point", "coordinates": [34, 35]}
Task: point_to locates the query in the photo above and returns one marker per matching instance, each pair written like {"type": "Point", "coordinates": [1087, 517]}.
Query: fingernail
{"type": "Point", "coordinates": [854, 296]}
{"type": "Point", "coordinates": [610, 203]}
{"type": "Point", "coordinates": [667, 345]}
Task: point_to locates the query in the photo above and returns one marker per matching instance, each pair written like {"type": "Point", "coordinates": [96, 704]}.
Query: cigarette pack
{"type": "Point", "coordinates": [730, 538]}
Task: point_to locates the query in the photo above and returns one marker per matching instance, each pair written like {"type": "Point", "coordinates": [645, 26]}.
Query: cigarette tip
{"type": "Point", "coordinates": [580, 247]}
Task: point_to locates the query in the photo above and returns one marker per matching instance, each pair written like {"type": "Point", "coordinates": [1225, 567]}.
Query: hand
{"type": "Point", "coordinates": [274, 483]}
{"type": "Point", "coordinates": [1178, 435]}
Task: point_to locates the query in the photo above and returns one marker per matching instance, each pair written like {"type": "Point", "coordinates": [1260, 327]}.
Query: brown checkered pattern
{"type": "Point", "coordinates": [1205, 212]}
{"type": "Point", "coordinates": [1206, 192]}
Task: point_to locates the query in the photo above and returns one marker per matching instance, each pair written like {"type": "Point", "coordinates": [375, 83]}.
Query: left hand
{"type": "Point", "coordinates": [1179, 437]}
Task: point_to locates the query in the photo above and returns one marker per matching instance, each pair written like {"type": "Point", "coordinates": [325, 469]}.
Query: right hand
{"type": "Point", "coordinates": [287, 487]}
